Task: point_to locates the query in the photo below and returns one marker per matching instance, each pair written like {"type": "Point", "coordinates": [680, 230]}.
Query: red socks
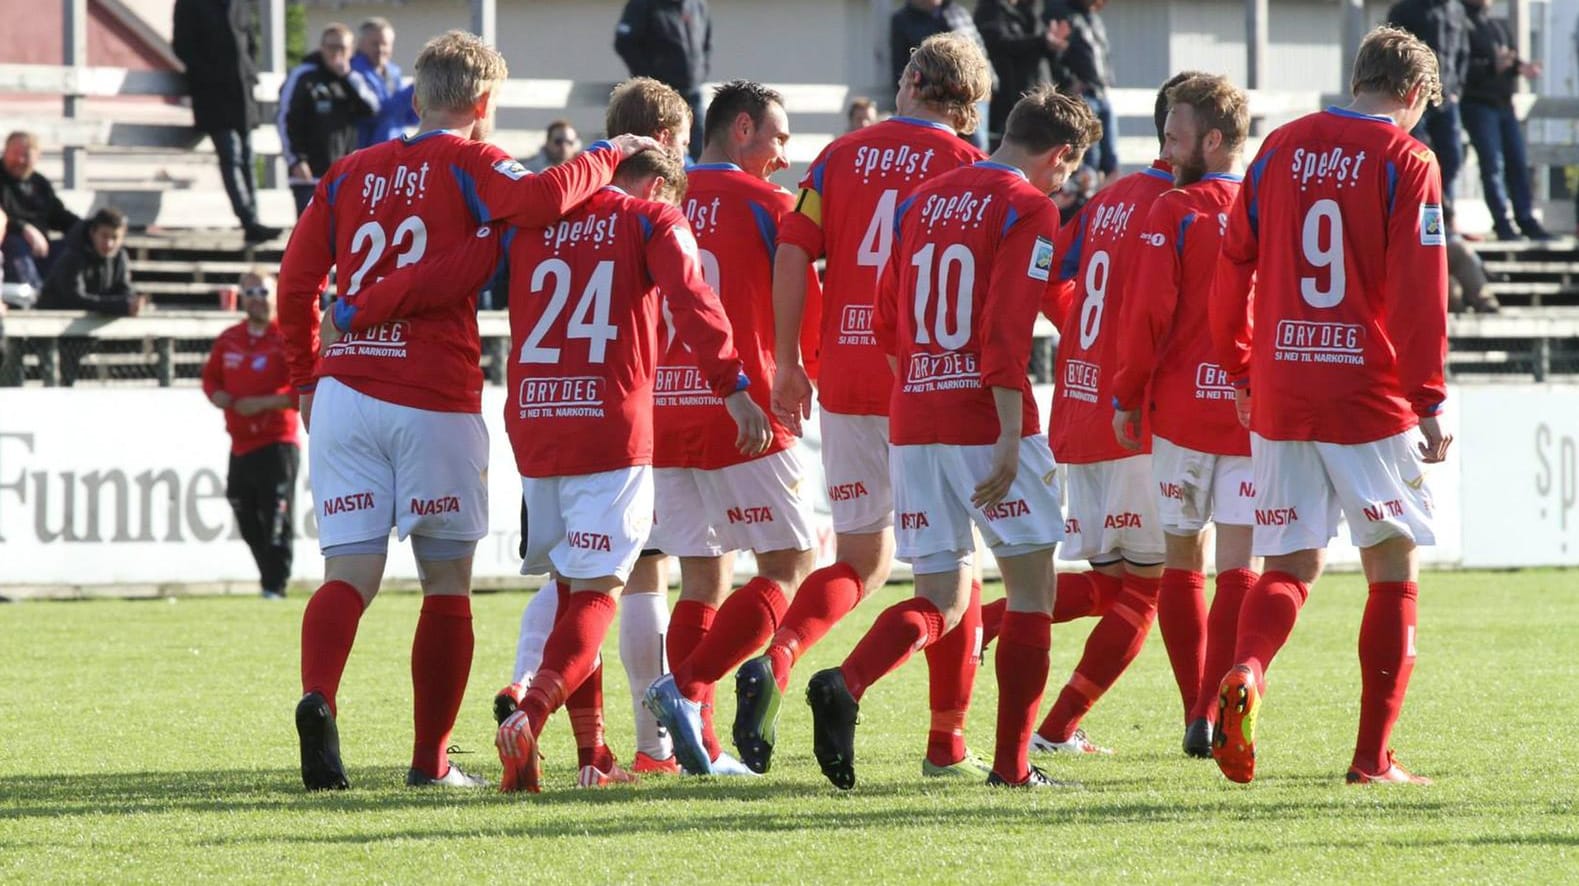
{"type": "Point", "coordinates": [1113, 644]}
{"type": "Point", "coordinates": [1181, 616]}
{"type": "Point", "coordinates": [1222, 626]}
{"type": "Point", "coordinates": [689, 624]}
{"type": "Point", "coordinates": [745, 621]}
{"type": "Point", "coordinates": [441, 660]}
{"type": "Point", "coordinates": [826, 596]}
{"type": "Point", "coordinates": [1022, 664]}
{"type": "Point", "coordinates": [900, 630]}
{"type": "Point", "coordinates": [569, 655]}
{"type": "Point", "coordinates": [585, 707]}
{"type": "Point", "coordinates": [951, 675]}
{"type": "Point", "coordinates": [328, 631]}
{"type": "Point", "coordinates": [1077, 595]}
{"type": "Point", "coordinates": [1266, 617]}
{"type": "Point", "coordinates": [1387, 658]}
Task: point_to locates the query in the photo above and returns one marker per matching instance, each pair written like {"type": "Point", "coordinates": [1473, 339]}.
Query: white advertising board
{"type": "Point", "coordinates": [1520, 452]}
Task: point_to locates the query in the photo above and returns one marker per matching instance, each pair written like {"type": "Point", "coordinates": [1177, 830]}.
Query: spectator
{"type": "Point", "coordinates": [375, 44]}
{"type": "Point", "coordinates": [326, 104]}
{"type": "Point", "coordinates": [917, 20]}
{"type": "Point", "coordinates": [1441, 25]}
{"type": "Point", "coordinates": [861, 113]}
{"type": "Point", "coordinates": [670, 41]}
{"type": "Point", "coordinates": [1085, 70]}
{"type": "Point", "coordinates": [246, 376]}
{"type": "Point", "coordinates": [1078, 189]}
{"type": "Point", "coordinates": [214, 39]}
{"type": "Point", "coordinates": [93, 274]}
{"type": "Point", "coordinates": [34, 210]}
{"type": "Point", "coordinates": [1020, 46]}
{"type": "Point", "coordinates": [1487, 110]}
{"type": "Point", "coordinates": [560, 144]}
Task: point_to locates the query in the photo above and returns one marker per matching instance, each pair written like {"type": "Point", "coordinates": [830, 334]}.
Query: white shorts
{"type": "Point", "coordinates": [932, 489]}
{"type": "Point", "coordinates": [587, 525]}
{"type": "Point", "coordinates": [1195, 488]}
{"type": "Point", "coordinates": [1302, 487]}
{"type": "Point", "coordinates": [855, 466]}
{"type": "Point", "coordinates": [756, 506]}
{"type": "Point", "coordinates": [1113, 513]}
{"type": "Point", "coordinates": [374, 465]}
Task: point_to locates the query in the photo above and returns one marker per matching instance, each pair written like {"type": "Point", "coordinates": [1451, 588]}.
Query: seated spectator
{"type": "Point", "coordinates": [1487, 111]}
{"type": "Point", "coordinates": [375, 43]}
{"type": "Point", "coordinates": [861, 113]}
{"type": "Point", "coordinates": [561, 144]}
{"type": "Point", "coordinates": [917, 20]}
{"type": "Point", "coordinates": [92, 273]}
{"type": "Point", "coordinates": [325, 106]}
{"type": "Point", "coordinates": [1083, 69]}
{"type": "Point", "coordinates": [34, 210]}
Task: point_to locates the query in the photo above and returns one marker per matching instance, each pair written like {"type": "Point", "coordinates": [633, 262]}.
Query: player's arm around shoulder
{"type": "Point", "coordinates": [432, 285]}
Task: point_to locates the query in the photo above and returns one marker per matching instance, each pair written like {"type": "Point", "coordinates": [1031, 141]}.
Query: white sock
{"type": "Point", "coordinates": [537, 619]}
{"type": "Point", "coordinates": [644, 624]}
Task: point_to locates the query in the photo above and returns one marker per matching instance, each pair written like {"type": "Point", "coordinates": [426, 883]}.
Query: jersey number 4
{"type": "Point", "coordinates": [589, 320]}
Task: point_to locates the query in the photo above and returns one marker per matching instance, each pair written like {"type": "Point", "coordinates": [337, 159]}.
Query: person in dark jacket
{"type": "Point", "coordinates": [30, 202]}
{"type": "Point", "coordinates": [326, 104]}
{"type": "Point", "coordinates": [214, 39]}
{"type": "Point", "coordinates": [92, 273]}
{"type": "Point", "coordinates": [1442, 25]}
{"type": "Point", "coordinates": [917, 20]}
{"type": "Point", "coordinates": [1020, 46]}
{"type": "Point", "coordinates": [1487, 109]}
{"type": "Point", "coordinates": [670, 41]}
{"type": "Point", "coordinates": [1085, 70]}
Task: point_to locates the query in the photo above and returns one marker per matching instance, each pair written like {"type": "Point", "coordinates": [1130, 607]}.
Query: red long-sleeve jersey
{"type": "Point", "coordinates": [958, 303]}
{"type": "Point", "coordinates": [386, 207]}
{"type": "Point", "coordinates": [735, 217]}
{"type": "Point", "coordinates": [1340, 223]}
{"type": "Point", "coordinates": [1094, 261]}
{"type": "Point", "coordinates": [1164, 342]}
{"type": "Point", "coordinates": [246, 365]}
{"type": "Point", "coordinates": [845, 211]}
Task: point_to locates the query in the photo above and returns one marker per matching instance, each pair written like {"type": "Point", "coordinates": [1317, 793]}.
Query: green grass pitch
{"type": "Point", "coordinates": [153, 742]}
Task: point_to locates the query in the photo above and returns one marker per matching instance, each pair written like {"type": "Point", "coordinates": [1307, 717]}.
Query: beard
{"type": "Point", "coordinates": [1191, 169]}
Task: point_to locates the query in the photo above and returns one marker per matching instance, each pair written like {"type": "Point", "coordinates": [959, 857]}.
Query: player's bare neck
{"type": "Point", "coordinates": [1378, 105]}
{"type": "Point", "coordinates": [460, 124]}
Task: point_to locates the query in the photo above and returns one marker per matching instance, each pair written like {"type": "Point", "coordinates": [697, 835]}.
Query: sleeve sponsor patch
{"type": "Point", "coordinates": [511, 170]}
{"type": "Point", "coordinates": [687, 243]}
{"type": "Point", "coordinates": [1433, 228]}
{"type": "Point", "coordinates": [1041, 260]}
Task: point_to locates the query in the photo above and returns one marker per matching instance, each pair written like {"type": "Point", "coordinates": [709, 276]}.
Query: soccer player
{"type": "Point", "coordinates": [712, 499]}
{"type": "Point", "coordinates": [585, 320]}
{"type": "Point", "coordinates": [1340, 224]}
{"type": "Point", "coordinates": [638, 106]}
{"type": "Point", "coordinates": [845, 211]}
{"type": "Point", "coordinates": [1167, 373]}
{"type": "Point", "coordinates": [1112, 519]}
{"type": "Point", "coordinates": [972, 253]}
{"type": "Point", "coordinates": [401, 442]}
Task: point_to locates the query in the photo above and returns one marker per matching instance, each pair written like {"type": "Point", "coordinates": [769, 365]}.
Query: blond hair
{"type": "Point", "coordinates": [1218, 104]}
{"type": "Point", "coordinates": [952, 76]}
{"type": "Point", "coordinates": [1392, 61]}
{"type": "Point", "coordinates": [454, 69]}
{"type": "Point", "coordinates": [1045, 118]}
{"type": "Point", "coordinates": [643, 106]}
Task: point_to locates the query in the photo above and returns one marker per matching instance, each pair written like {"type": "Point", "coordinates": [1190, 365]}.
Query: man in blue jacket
{"type": "Point", "coordinates": [374, 45]}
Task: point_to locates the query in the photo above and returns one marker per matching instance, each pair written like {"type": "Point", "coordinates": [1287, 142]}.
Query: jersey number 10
{"type": "Point", "coordinates": [956, 276]}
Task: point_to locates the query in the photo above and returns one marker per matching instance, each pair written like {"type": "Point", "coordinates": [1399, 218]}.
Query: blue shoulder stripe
{"type": "Point", "coordinates": [468, 186]}
{"type": "Point", "coordinates": [767, 228]}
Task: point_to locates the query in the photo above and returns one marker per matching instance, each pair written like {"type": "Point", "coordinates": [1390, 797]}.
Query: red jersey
{"type": "Point", "coordinates": [1095, 257]}
{"type": "Point", "coordinates": [386, 207]}
{"type": "Point", "coordinates": [845, 211]}
{"type": "Point", "coordinates": [246, 365]}
{"type": "Point", "coordinates": [958, 303]}
{"type": "Point", "coordinates": [735, 218]}
{"type": "Point", "coordinates": [1340, 222]}
{"type": "Point", "coordinates": [1163, 336]}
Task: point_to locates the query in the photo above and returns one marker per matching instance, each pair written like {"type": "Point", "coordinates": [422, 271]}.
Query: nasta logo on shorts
{"type": "Point", "coordinates": [914, 520]}
{"type": "Point", "coordinates": [428, 507]}
{"type": "Point", "coordinates": [1125, 520]}
{"type": "Point", "coordinates": [1171, 490]}
{"type": "Point", "coordinates": [1247, 489]}
{"type": "Point", "coordinates": [343, 504]}
{"type": "Point", "coordinates": [847, 491]}
{"type": "Point", "coordinates": [749, 516]}
{"type": "Point", "coordinates": [1072, 526]}
{"type": "Point", "coordinates": [1276, 516]}
{"type": "Point", "coordinates": [589, 541]}
{"type": "Point", "coordinates": [1004, 510]}
{"type": "Point", "coordinates": [1382, 510]}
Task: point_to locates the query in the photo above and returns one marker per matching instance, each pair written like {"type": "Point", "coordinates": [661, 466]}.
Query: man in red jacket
{"type": "Point", "coordinates": [246, 376]}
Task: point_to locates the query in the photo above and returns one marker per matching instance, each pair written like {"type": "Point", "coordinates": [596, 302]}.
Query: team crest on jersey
{"type": "Point", "coordinates": [1433, 229]}
{"type": "Point", "coordinates": [1041, 260]}
{"type": "Point", "coordinates": [511, 169]}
